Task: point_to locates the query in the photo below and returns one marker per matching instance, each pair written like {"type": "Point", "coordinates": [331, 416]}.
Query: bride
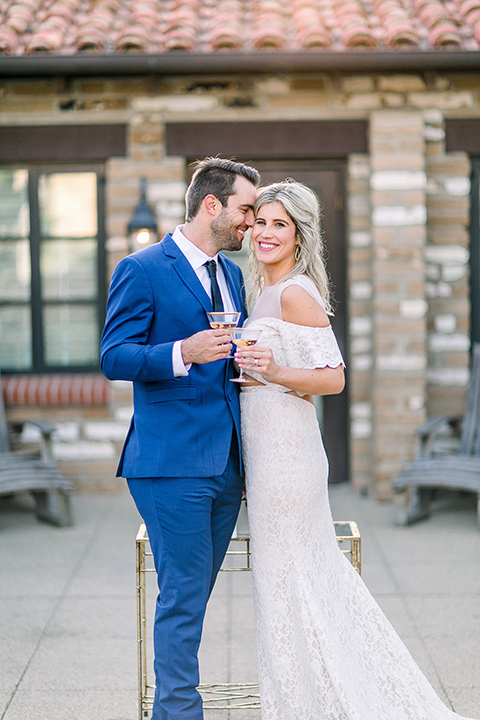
{"type": "Point", "coordinates": [325, 649]}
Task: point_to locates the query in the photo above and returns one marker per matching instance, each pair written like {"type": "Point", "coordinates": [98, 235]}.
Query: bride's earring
{"type": "Point", "coordinates": [297, 253]}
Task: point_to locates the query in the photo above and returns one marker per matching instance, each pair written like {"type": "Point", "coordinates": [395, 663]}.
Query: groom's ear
{"type": "Point", "coordinates": [212, 205]}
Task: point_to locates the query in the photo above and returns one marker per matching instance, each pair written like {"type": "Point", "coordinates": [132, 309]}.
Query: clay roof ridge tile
{"type": "Point", "coordinates": [64, 12]}
{"type": "Point", "coordinates": [33, 5]}
{"type": "Point", "coordinates": [401, 34]}
{"type": "Point", "coordinates": [301, 4]}
{"type": "Point", "coordinates": [444, 34]}
{"type": "Point", "coordinates": [182, 18]}
{"type": "Point", "coordinates": [359, 36]}
{"type": "Point", "coordinates": [9, 39]}
{"type": "Point", "coordinates": [228, 5]}
{"type": "Point", "coordinates": [48, 40]}
{"type": "Point", "coordinates": [470, 11]}
{"type": "Point", "coordinates": [313, 37]}
{"type": "Point", "coordinates": [306, 14]}
{"type": "Point", "coordinates": [100, 24]}
{"type": "Point", "coordinates": [90, 38]}
{"type": "Point", "coordinates": [419, 4]}
{"type": "Point", "coordinates": [19, 20]}
{"type": "Point", "coordinates": [133, 37]}
{"type": "Point", "coordinates": [268, 38]}
{"type": "Point", "coordinates": [110, 6]}
{"type": "Point", "coordinates": [20, 9]}
{"type": "Point", "coordinates": [430, 16]}
{"type": "Point", "coordinates": [225, 37]}
{"type": "Point", "coordinates": [389, 8]}
{"type": "Point", "coordinates": [468, 5]}
{"type": "Point", "coordinates": [193, 5]}
{"type": "Point", "coordinates": [61, 5]}
{"type": "Point", "coordinates": [55, 22]}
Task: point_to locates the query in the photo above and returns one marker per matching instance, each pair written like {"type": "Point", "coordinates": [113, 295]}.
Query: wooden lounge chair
{"type": "Point", "coordinates": [454, 468]}
{"type": "Point", "coordinates": [34, 472]}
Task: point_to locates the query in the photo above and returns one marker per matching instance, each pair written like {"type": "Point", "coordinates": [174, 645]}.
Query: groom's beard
{"type": "Point", "coordinates": [225, 233]}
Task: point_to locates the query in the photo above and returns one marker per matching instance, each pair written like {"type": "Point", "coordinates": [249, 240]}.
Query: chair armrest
{"type": "Point", "coordinates": [436, 424]}
{"type": "Point", "coordinates": [18, 425]}
{"type": "Point", "coordinates": [46, 432]}
{"type": "Point", "coordinates": [432, 428]}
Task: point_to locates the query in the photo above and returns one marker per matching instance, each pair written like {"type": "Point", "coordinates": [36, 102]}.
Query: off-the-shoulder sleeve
{"type": "Point", "coordinates": [310, 348]}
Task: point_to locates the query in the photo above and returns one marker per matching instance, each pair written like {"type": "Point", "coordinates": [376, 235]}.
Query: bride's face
{"type": "Point", "coordinates": [274, 236]}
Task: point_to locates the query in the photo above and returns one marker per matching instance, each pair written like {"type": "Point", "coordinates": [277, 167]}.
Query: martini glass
{"type": "Point", "coordinates": [223, 320]}
{"type": "Point", "coordinates": [244, 337]}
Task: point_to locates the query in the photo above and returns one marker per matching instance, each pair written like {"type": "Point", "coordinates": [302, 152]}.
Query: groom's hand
{"type": "Point", "coordinates": [206, 346]}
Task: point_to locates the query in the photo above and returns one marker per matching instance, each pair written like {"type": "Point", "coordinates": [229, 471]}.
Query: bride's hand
{"type": "Point", "coordinates": [260, 360]}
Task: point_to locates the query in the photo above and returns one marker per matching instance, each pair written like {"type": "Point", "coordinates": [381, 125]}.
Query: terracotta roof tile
{"type": "Point", "coordinates": [310, 25]}
{"type": "Point", "coordinates": [226, 32]}
{"type": "Point", "coordinates": [68, 27]}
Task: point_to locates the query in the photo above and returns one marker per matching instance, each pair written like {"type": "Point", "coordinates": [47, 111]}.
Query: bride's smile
{"type": "Point", "coordinates": [274, 240]}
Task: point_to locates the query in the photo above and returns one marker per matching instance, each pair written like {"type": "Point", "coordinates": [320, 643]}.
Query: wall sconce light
{"type": "Point", "coordinates": [142, 228]}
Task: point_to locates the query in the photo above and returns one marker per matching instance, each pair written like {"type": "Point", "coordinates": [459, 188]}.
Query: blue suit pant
{"type": "Point", "coordinates": [189, 522]}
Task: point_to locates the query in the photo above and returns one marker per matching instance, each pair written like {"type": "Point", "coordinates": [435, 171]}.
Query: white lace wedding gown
{"type": "Point", "coordinates": [325, 649]}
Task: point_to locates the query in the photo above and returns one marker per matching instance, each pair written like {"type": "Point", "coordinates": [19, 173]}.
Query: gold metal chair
{"type": "Point", "coordinates": [221, 696]}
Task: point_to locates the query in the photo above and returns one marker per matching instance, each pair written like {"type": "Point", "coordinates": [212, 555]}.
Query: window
{"type": "Point", "coordinates": [52, 269]}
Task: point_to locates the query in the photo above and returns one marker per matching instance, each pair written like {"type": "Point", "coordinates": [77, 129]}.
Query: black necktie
{"type": "Point", "coordinates": [217, 302]}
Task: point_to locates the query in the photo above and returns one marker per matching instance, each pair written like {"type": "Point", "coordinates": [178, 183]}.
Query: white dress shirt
{"type": "Point", "coordinates": [197, 259]}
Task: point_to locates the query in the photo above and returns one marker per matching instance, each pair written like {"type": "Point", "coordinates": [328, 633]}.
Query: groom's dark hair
{"type": "Point", "coordinates": [215, 176]}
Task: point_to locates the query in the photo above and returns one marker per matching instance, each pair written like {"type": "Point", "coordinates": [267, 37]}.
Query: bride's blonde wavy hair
{"type": "Point", "coordinates": [302, 206]}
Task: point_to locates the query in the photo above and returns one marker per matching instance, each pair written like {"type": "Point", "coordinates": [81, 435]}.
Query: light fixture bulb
{"type": "Point", "coordinates": [143, 237]}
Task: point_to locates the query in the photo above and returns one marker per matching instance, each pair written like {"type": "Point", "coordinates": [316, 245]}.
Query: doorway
{"type": "Point", "coordinates": [327, 179]}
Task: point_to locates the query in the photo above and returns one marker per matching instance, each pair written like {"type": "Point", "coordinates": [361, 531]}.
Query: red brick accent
{"type": "Point", "coordinates": [54, 390]}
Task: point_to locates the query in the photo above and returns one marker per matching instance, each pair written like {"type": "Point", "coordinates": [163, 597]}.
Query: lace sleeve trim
{"type": "Point", "coordinates": [305, 347]}
{"type": "Point", "coordinates": [310, 348]}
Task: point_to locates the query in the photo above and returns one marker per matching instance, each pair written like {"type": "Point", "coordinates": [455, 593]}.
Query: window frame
{"type": "Point", "coordinates": [475, 251]}
{"type": "Point", "coordinates": [35, 303]}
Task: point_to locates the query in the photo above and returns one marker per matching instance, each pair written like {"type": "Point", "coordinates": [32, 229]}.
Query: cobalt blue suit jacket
{"type": "Point", "coordinates": [181, 426]}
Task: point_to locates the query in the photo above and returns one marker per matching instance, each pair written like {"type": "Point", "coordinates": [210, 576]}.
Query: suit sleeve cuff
{"type": "Point", "coordinates": [179, 367]}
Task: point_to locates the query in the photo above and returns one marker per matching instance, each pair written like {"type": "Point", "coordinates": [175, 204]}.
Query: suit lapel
{"type": "Point", "coordinates": [185, 272]}
{"type": "Point", "coordinates": [189, 277]}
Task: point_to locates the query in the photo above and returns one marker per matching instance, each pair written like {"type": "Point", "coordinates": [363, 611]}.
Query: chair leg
{"type": "Point", "coordinates": [413, 505]}
{"type": "Point", "coordinates": [53, 506]}
{"type": "Point", "coordinates": [478, 509]}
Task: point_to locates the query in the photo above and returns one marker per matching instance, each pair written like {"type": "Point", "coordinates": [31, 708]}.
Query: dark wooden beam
{"type": "Point", "coordinates": [463, 135]}
{"type": "Point", "coordinates": [267, 140]}
{"type": "Point", "coordinates": [61, 142]}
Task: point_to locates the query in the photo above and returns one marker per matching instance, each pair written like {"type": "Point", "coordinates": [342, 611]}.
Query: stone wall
{"type": "Point", "coordinates": [407, 228]}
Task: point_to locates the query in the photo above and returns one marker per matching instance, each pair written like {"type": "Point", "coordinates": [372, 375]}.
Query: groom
{"type": "Point", "coordinates": [182, 453]}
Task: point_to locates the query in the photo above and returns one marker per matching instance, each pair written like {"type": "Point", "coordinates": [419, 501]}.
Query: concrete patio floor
{"type": "Point", "coordinates": [68, 606]}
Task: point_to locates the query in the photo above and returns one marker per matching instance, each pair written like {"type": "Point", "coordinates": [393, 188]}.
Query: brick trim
{"type": "Point", "coordinates": [56, 390]}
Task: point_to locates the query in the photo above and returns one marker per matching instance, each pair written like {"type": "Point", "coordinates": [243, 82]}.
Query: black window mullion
{"type": "Point", "coordinates": [101, 252]}
{"type": "Point", "coordinates": [475, 253]}
{"type": "Point", "coordinates": [36, 280]}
